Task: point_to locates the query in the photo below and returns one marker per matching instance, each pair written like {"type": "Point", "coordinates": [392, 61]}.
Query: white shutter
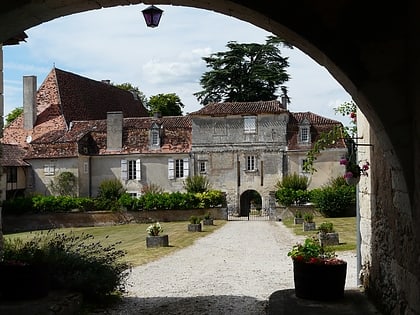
{"type": "Point", "coordinates": [171, 168]}
{"type": "Point", "coordinates": [138, 170]}
{"type": "Point", "coordinates": [186, 167]}
{"type": "Point", "coordinates": [123, 169]}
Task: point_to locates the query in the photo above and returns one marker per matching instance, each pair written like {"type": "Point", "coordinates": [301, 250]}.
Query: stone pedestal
{"type": "Point", "coordinates": [194, 227]}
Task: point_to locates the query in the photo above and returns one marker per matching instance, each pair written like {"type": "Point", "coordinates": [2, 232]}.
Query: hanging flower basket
{"type": "Point", "coordinates": [352, 181]}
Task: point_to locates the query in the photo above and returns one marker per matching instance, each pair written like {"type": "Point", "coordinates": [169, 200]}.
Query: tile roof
{"type": "Point", "coordinates": [135, 138]}
{"type": "Point", "coordinates": [12, 155]}
{"type": "Point", "coordinates": [89, 99]}
{"type": "Point", "coordinates": [241, 108]}
{"type": "Point", "coordinates": [318, 125]}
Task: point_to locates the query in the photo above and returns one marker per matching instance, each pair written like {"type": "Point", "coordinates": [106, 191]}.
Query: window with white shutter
{"type": "Point", "coordinates": [171, 168]}
{"type": "Point", "coordinates": [123, 169]}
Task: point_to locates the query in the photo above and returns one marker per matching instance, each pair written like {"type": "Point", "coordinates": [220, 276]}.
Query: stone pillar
{"type": "Point", "coordinates": [29, 102]}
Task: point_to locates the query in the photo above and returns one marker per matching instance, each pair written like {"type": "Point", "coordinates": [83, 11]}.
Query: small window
{"type": "Point", "coordinates": [202, 166]}
{"type": "Point", "coordinates": [251, 163]}
{"type": "Point", "coordinates": [250, 124]}
{"type": "Point", "coordinates": [304, 134]}
{"type": "Point", "coordinates": [86, 167]}
{"type": "Point", "coordinates": [133, 194]}
{"type": "Point", "coordinates": [49, 169]}
{"type": "Point", "coordinates": [155, 135]}
{"type": "Point", "coordinates": [178, 168]}
{"type": "Point", "coordinates": [11, 174]}
{"type": "Point", "coordinates": [130, 170]}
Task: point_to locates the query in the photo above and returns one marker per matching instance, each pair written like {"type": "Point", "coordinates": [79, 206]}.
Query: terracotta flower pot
{"type": "Point", "coordinates": [319, 281]}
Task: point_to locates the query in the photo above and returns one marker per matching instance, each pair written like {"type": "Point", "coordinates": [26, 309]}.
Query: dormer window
{"type": "Point", "coordinates": [305, 132]}
{"type": "Point", "coordinates": [250, 124]}
{"type": "Point", "coordinates": [155, 135]}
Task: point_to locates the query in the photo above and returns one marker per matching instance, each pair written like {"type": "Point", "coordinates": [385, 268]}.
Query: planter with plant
{"type": "Point", "coordinates": [208, 220]}
{"type": "Point", "coordinates": [327, 235]}
{"type": "Point", "coordinates": [154, 239]}
{"type": "Point", "coordinates": [195, 224]}
{"type": "Point", "coordinates": [318, 273]}
{"type": "Point", "coordinates": [298, 217]}
{"type": "Point", "coordinates": [308, 222]}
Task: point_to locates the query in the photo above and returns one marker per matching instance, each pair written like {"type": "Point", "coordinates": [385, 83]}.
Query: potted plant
{"type": "Point", "coordinates": [298, 217]}
{"type": "Point", "coordinates": [154, 239]}
{"type": "Point", "coordinates": [308, 222]}
{"type": "Point", "coordinates": [318, 273]}
{"type": "Point", "coordinates": [327, 235]}
{"type": "Point", "coordinates": [195, 224]}
{"type": "Point", "coordinates": [354, 170]}
{"type": "Point", "coordinates": [207, 219]}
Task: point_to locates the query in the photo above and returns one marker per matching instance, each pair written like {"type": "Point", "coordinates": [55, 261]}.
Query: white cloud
{"type": "Point", "coordinates": [115, 44]}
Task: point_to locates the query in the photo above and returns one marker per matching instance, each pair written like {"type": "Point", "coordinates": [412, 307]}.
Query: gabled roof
{"type": "Point", "coordinates": [318, 125]}
{"type": "Point", "coordinates": [90, 100]}
{"type": "Point", "coordinates": [241, 108]}
{"type": "Point", "coordinates": [64, 97]}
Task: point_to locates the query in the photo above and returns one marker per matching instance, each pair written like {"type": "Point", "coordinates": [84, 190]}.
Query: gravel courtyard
{"type": "Point", "coordinates": [232, 271]}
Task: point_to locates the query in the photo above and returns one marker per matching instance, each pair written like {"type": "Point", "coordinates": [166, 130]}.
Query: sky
{"type": "Point", "coordinates": [115, 44]}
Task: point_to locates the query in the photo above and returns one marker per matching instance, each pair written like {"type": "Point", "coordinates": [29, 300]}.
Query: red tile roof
{"type": "Point", "coordinates": [135, 139]}
{"type": "Point", "coordinates": [318, 125]}
{"type": "Point", "coordinates": [241, 108]}
{"type": "Point", "coordinates": [12, 155]}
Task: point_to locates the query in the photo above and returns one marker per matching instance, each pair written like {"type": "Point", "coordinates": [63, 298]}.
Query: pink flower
{"type": "Point", "coordinates": [343, 161]}
{"type": "Point", "coordinates": [348, 175]}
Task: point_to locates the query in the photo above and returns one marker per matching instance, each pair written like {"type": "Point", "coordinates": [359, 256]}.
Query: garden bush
{"type": "Point", "coordinates": [292, 190]}
{"type": "Point", "coordinates": [334, 200]}
{"type": "Point", "coordinates": [76, 263]}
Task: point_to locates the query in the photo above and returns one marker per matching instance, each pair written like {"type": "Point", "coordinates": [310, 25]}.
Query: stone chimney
{"type": "Point", "coordinates": [29, 102]}
{"type": "Point", "coordinates": [114, 129]}
{"type": "Point", "coordinates": [284, 101]}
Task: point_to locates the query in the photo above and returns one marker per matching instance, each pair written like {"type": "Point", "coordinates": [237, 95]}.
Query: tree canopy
{"type": "Point", "coordinates": [166, 104]}
{"type": "Point", "coordinates": [246, 72]}
{"type": "Point", "coordinates": [135, 90]}
{"type": "Point", "coordinates": [15, 113]}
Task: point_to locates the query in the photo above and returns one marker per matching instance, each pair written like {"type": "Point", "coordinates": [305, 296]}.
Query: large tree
{"type": "Point", "coordinates": [166, 104]}
{"type": "Point", "coordinates": [246, 72]}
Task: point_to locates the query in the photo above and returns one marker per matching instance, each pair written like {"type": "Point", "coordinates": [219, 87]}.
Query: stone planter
{"type": "Point", "coordinates": [208, 222]}
{"type": "Point", "coordinates": [22, 282]}
{"type": "Point", "coordinates": [157, 241]}
{"type": "Point", "coordinates": [319, 281]}
{"type": "Point", "coordinates": [194, 227]}
{"type": "Point", "coordinates": [309, 226]}
{"type": "Point", "coordinates": [328, 239]}
{"type": "Point", "coordinates": [298, 221]}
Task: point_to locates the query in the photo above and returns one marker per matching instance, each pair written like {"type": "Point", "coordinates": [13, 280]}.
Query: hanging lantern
{"type": "Point", "coordinates": [152, 16]}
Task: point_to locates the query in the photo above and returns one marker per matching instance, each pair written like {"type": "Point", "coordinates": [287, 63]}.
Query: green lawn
{"type": "Point", "coordinates": [345, 227]}
{"type": "Point", "coordinates": [133, 238]}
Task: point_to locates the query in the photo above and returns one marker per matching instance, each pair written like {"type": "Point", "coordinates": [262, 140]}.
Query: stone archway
{"type": "Point", "coordinates": [372, 50]}
{"type": "Point", "coordinates": [250, 200]}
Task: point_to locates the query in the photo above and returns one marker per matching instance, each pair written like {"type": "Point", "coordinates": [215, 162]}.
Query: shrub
{"type": "Point", "coordinates": [196, 184]}
{"type": "Point", "coordinates": [17, 206]}
{"type": "Point", "coordinates": [154, 229]}
{"type": "Point", "coordinates": [76, 263]}
{"type": "Point", "coordinates": [292, 190]}
{"type": "Point", "coordinates": [334, 201]}
{"type": "Point", "coordinates": [326, 227]}
{"type": "Point", "coordinates": [308, 217]}
{"type": "Point", "coordinates": [195, 220]}
{"type": "Point", "coordinates": [64, 185]}
{"type": "Point", "coordinates": [151, 188]}
{"type": "Point", "coordinates": [110, 189]}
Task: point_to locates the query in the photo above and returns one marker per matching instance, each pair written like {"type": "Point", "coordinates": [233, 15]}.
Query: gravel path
{"type": "Point", "coordinates": [232, 271]}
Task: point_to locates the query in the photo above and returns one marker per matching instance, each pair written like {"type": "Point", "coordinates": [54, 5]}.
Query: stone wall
{"type": "Point", "coordinates": [45, 221]}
